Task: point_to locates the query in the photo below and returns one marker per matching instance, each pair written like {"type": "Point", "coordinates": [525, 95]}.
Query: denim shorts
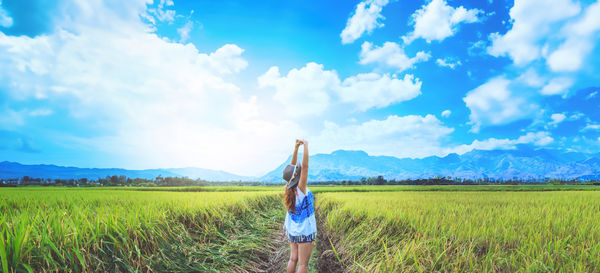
{"type": "Point", "coordinates": [302, 238]}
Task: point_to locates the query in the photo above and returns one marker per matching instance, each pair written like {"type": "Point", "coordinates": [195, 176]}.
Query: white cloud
{"type": "Point", "coordinates": [162, 11]}
{"type": "Point", "coordinates": [591, 95]}
{"type": "Point", "coordinates": [537, 139]}
{"type": "Point", "coordinates": [494, 103]}
{"type": "Point", "coordinates": [303, 91]}
{"type": "Point", "coordinates": [477, 48]}
{"type": "Point", "coordinates": [10, 118]}
{"type": "Point", "coordinates": [40, 112]}
{"type": "Point", "coordinates": [438, 21]}
{"type": "Point", "coordinates": [446, 113]}
{"type": "Point", "coordinates": [448, 62]}
{"type": "Point", "coordinates": [184, 31]}
{"type": "Point", "coordinates": [531, 78]}
{"type": "Point", "coordinates": [151, 102]}
{"type": "Point", "coordinates": [591, 127]}
{"type": "Point", "coordinates": [557, 86]}
{"type": "Point", "coordinates": [5, 19]}
{"type": "Point", "coordinates": [576, 116]}
{"type": "Point", "coordinates": [401, 136]}
{"type": "Point", "coordinates": [548, 87]}
{"type": "Point", "coordinates": [308, 90]}
{"type": "Point", "coordinates": [580, 40]}
{"type": "Point", "coordinates": [570, 55]}
{"type": "Point", "coordinates": [410, 136]}
{"type": "Point", "coordinates": [532, 24]}
{"type": "Point", "coordinates": [226, 59]}
{"type": "Point", "coordinates": [374, 90]}
{"type": "Point", "coordinates": [557, 118]}
{"type": "Point", "coordinates": [390, 54]}
{"type": "Point", "coordinates": [364, 20]}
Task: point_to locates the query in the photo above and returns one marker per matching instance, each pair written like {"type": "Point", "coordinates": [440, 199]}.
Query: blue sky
{"type": "Point", "coordinates": [230, 84]}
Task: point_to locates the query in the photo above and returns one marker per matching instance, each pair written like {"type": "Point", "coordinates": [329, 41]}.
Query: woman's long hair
{"type": "Point", "coordinates": [289, 199]}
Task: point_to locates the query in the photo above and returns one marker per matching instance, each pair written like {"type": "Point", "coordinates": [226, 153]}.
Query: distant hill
{"type": "Point", "coordinates": [524, 162]}
{"type": "Point", "coordinates": [14, 170]}
{"type": "Point", "coordinates": [210, 175]}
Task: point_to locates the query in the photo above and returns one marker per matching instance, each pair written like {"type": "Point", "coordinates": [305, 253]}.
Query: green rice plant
{"type": "Point", "coordinates": [334, 251]}
{"type": "Point", "coordinates": [470, 231]}
{"type": "Point", "coordinates": [453, 188]}
{"type": "Point", "coordinates": [91, 230]}
{"type": "Point", "coordinates": [375, 228]}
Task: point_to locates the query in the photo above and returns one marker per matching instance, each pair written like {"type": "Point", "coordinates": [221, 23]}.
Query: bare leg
{"type": "Point", "coordinates": [291, 267]}
{"type": "Point", "coordinates": [304, 250]}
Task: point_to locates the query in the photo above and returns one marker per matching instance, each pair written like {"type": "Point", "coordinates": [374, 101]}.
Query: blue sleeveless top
{"type": "Point", "coordinates": [302, 221]}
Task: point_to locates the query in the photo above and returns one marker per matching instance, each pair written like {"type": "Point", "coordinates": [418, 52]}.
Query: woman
{"type": "Point", "coordinates": [300, 223]}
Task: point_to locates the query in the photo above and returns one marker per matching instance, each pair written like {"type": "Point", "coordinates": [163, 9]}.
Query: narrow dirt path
{"type": "Point", "coordinates": [322, 259]}
{"type": "Point", "coordinates": [279, 250]}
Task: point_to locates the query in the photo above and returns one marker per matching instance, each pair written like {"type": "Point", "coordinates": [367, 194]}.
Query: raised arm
{"type": "Point", "coordinates": [295, 155]}
{"type": "Point", "coordinates": [304, 171]}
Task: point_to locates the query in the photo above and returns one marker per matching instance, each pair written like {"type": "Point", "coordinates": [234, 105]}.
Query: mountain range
{"type": "Point", "coordinates": [14, 170]}
{"type": "Point", "coordinates": [524, 162]}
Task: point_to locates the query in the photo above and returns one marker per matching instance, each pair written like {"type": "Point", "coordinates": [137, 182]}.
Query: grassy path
{"type": "Point", "coordinates": [323, 258]}
{"type": "Point", "coordinates": [255, 242]}
{"type": "Point", "coordinates": [279, 249]}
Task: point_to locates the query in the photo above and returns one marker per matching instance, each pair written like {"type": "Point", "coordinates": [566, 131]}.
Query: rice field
{"type": "Point", "coordinates": [67, 229]}
{"type": "Point", "coordinates": [483, 231]}
{"type": "Point", "coordinates": [362, 229]}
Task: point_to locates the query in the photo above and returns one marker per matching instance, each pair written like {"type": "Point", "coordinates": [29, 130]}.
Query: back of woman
{"type": "Point", "coordinates": [300, 224]}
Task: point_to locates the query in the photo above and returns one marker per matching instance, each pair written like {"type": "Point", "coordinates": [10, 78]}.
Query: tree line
{"type": "Point", "coordinates": [380, 180]}
{"type": "Point", "coordinates": [112, 181]}
{"type": "Point", "coordinates": [159, 181]}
